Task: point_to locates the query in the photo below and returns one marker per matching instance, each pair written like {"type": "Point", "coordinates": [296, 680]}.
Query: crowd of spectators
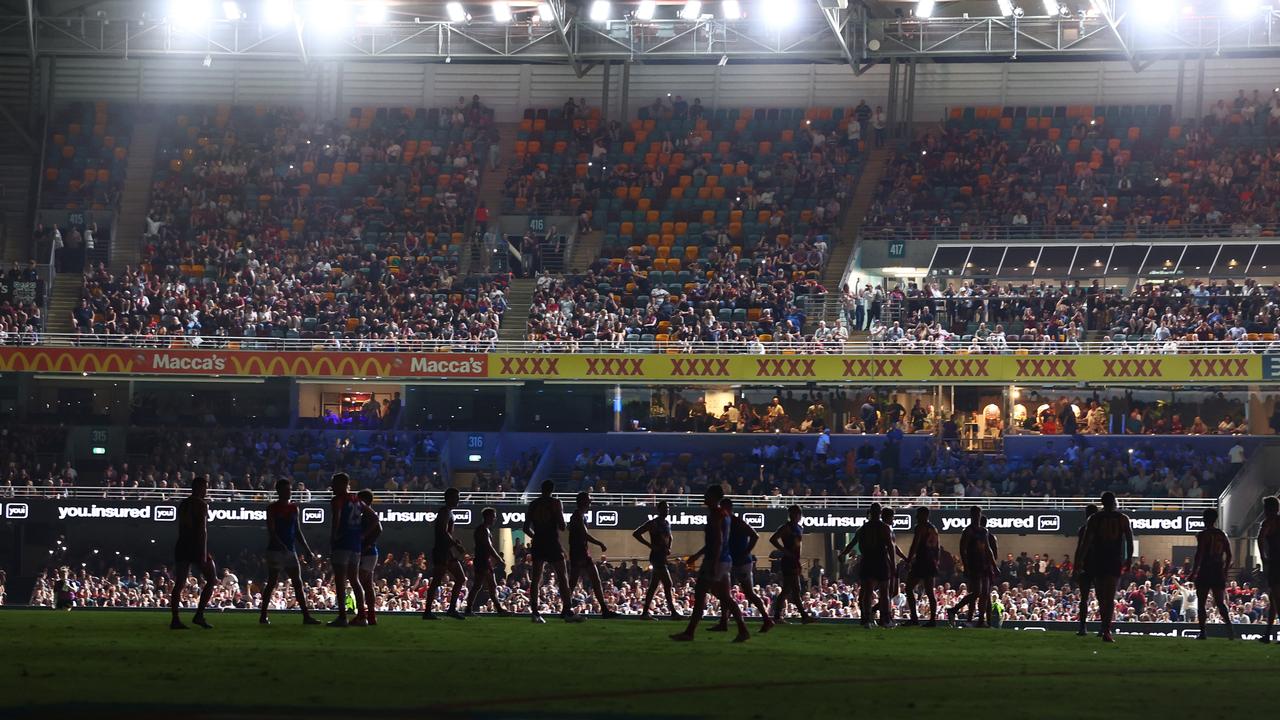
{"type": "Point", "coordinates": [1030, 588]}
{"type": "Point", "coordinates": [24, 458]}
{"type": "Point", "coordinates": [735, 276]}
{"type": "Point", "coordinates": [1093, 174]}
{"type": "Point", "coordinates": [265, 223]}
{"type": "Point", "coordinates": [21, 319]}
{"type": "Point", "coordinates": [582, 313]}
{"type": "Point", "coordinates": [937, 474]}
{"type": "Point", "coordinates": [1050, 319]}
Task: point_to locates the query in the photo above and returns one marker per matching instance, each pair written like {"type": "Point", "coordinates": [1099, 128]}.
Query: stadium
{"type": "Point", "coordinates": [599, 358]}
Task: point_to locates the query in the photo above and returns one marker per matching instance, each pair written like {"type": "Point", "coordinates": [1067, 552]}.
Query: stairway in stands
{"type": "Point", "coordinates": [16, 161]}
{"type": "Point", "coordinates": [515, 319]}
{"type": "Point", "coordinates": [847, 235]}
{"type": "Point", "coordinates": [586, 249]}
{"type": "Point", "coordinates": [136, 198]}
{"type": "Point", "coordinates": [490, 193]}
{"type": "Point", "coordinates": [65, 297]}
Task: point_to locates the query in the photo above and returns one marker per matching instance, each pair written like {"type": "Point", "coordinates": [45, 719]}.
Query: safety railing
{"type": "Point", "coordinates": [1032, 234]}
{"type": "Point", "coordinates": [886, 345]}
{"type": "Point", "coordinates": [627, 499]}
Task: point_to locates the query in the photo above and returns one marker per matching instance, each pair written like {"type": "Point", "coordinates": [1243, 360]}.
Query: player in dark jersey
{"type": "Point", "coordinates": [876, 544]}
{"type": "Point", "coordinates": [922, 567]}
{"type": "Point", "coordinates": [371, 530]}
{"type": "Point", "coordinates": [284, 534]}
{"type": "Point", "coordinates": [788, 540]}
{"type": "Point", "coordinates": [543, 523]}
{"type": "Point", "coordinates": [485, 565]}
{"type": "Point", "coordinates": [1213, 561]}
{"type": "Point", "coordinates": [1107, 551]}
{"type": "Point", "coordinates": [742, 540]}
{"type": "Point", "coordinates": [713, 575]}
{"type": "Point", "coordinates": [978, 550]}
{"type": "Point", "coordinates": [192, 548]}
{"type": "Point", "coordinates": [655, 534]}
{"type": "Point", "coordinates": [444, 561]}
{"type": "Point", "coordinates": [345, 537]}
{"type": "Point", "coordinates": [580, 561]}
{"type": "Point", "coordinates": [855, 547]}
{"type": "Point", "coordinates": [1269, 551]}
{"type": "Point", "coordinates": [886, 517]}
{"type": "Point", "coordinates": [1083, 578]}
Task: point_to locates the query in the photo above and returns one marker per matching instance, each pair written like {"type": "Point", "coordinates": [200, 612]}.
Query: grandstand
{"type": "Point", "coordinates": [909, 254]}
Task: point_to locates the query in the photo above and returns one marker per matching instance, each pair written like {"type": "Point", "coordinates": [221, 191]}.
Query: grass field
{"type": "Point", "coordinates": [128, 664]}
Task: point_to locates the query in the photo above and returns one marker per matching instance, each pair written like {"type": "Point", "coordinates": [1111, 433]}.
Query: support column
{"type": "Point", "coordinates": [506, 547]}
{"type": "Point", "coordinates": [617, 408]}
{"type": "Point", "coordinates": [910, 92]}
{"type": "Point", "coordinates": [625, 91]}
{"type": "Point", "coordinates": [1198, 112]}
{"type": "Point", "coordinates": [891, 102]}
{"type": "Point", "coordinates": [511, 410]}
{"type": "Point", "coordinates": [1177, 103]}
{"type": "Point", "coordinates": [604, 91]}
{"type": "Point", "coordinates": [294, 410]}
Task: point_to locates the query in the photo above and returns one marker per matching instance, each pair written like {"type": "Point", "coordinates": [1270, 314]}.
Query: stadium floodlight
{"type": "Point", "coordinates": [373, 12]}
{"type": "Point", "coordinates": [646, 9]}
{"type": "Point", "coordinates": [277, 13]}
{"type": "Point", "coordinates": [190, 12]}
{"type": "Point", "coordinates": [777, 13]}
{"type": "Point", "coordinates": [1243, 8]}
{"type": "Point", "coordinates": [329, 15]}
{"type": "Point", "coordinates": [692, 10]}
{"type": "Point", "coordinates": [1153, 12]}
{"type": "Point", "coordinates": [231, 10]}
{"type": "Point", "coordinates": [731, 10]}
{"type": "Point", "coordinates": [1006, 7]}
{"type": "Point", "coordinates": [924, 8]}
{"type": "Point", "coordinates": [456, 13]}
{"type": "Point", "coordinates": [501, 12]}
{"type": "Point", "coordinates": [600, 11]}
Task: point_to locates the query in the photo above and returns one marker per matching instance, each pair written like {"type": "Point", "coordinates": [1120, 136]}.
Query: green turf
{"type": "Point", "coordinates": [62, 663]}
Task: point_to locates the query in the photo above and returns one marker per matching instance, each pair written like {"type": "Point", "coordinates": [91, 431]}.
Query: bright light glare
{"type": "Point", "coordinates": [692, 10]}
{"type": "Point", "coordinates": [277, 12]}
{"type": "Point", "coordinates": [373, 12]}
{"type": "Point", "coordinates": [1051, 8]}
{"type": "Point", "coordinates": [545, 13]}
{"type": "Point", "coordinates": [924, 8]}
{"type": "Point", "coordinates": [600, 10]}
{"type": "Point", "coordinates": [501, 12]}
{"type": "Point", "coordinates": [329, 15]}
{"type": "Point", "coordinates": [731, 10]}
{"type": "Point", "coordinates": [777, 13]}
{"type": "Point", "coordinates": [231, 10]}
{"type": "Point", "coordinates": [456, 13]}
{"type": "Point", "coordinates": [1006, 7]}
{"type": "Point", "coordinates": [190, 12]}
{"type": "Point", "coordinates": [1243, 8]}
{"type": "Point", "coordinates": [1152, 11]}
{"type": "Point", "coordinates": [646, 10]}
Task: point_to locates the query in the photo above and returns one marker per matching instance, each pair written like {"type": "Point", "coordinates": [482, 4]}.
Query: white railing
{"type": "Point", "coordinates": [854, 347]}
{"type": "Point", "coordinates": [435, 497]}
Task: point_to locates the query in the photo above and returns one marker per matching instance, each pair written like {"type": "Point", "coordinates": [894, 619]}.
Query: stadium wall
{"type": "Point", "coordinates": [329, 88]}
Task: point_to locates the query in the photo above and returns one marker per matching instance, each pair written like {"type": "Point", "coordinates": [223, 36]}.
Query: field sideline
{"type": "Point", "coordinates": [128, 664]}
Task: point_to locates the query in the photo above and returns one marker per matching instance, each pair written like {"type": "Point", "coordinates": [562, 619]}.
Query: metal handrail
{"type": "Point", "coordinates": [1034, 233]}
{"type": "Point", "coordinates": [627, 499]}
{"type": "Point", "coordinates": [853, 347]}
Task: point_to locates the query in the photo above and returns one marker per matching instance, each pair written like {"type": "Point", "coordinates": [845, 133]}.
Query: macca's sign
{"type": "Point", "coordinates": [448, 365]}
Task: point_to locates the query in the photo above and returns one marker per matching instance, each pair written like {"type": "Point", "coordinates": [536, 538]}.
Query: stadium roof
{"type": "Point", "coordinates": [858, 33]}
